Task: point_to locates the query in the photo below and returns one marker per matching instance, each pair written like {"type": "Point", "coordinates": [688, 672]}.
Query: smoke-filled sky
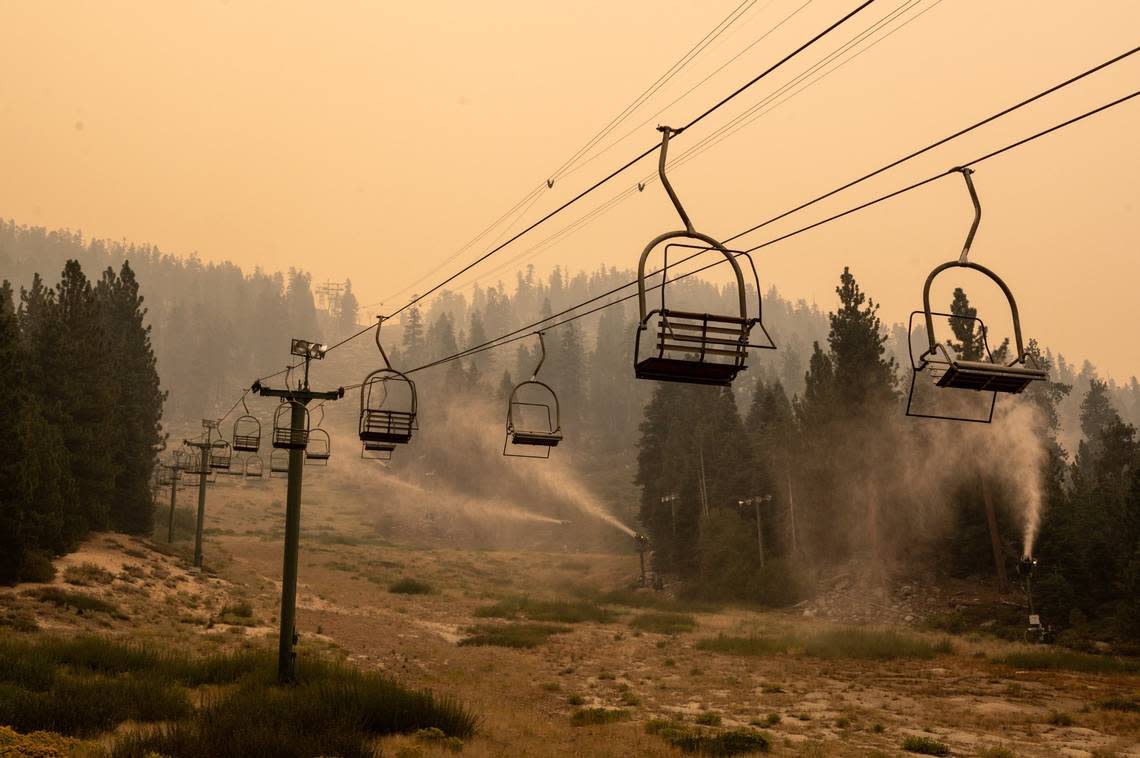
{"type": "Point", "coordinates": [370, 140]}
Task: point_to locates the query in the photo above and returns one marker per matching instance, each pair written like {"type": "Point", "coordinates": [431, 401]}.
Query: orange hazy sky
{"type": "Point", "coordinates": [370, 140]}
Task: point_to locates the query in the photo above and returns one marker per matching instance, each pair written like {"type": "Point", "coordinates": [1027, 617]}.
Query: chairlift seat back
{"type": "Point", "coordinates": [285, 438]}
{"type": "Point", "coordinates": [247, 443]}
{"type": "Point", "coordinates": [695, 348]}
{"type": "Point", "coordinates": [386, 426]}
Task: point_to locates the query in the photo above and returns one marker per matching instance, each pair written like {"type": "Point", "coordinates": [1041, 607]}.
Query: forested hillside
{"type": "Point", "coordinates": [817, 425]}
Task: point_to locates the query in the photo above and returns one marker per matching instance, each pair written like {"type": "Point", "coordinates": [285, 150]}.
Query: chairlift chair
{"type": "Point", "coordinates": [284, 436]}
{"type": "Point", "coordinates": [247, 432]}
{"type": "Point", "coordinates": [944, 366]}
{"type": "Point", "coordinates": [388, 407]}
{"type": "Point", "coordinates": [533, 418]}
{"type": "Point", "coordinates": [690, 347]}
{"type": "Point", "coordinates": [319, 448]}
{"type": "Point", "coordinates": [253, 467]}
{"type": "Point", "coordinates": [221, 456]}
{"type": "Point", "coordinates": [279, 463]}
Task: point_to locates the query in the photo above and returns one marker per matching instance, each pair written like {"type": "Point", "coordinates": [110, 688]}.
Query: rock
{"type": "Point", "coordinates": [987, 623]}
{"type": "Point", "coordinates": [908, 618]}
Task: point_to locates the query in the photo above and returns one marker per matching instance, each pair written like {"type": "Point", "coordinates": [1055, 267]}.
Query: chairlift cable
{"type": "Point", "coordinates": [758, 110]}
{"type": "Point", "coordinates": [531, 197]}
{"type": "Point", "coordinates": [717, 136]}
{"type": "Point", "coordinates": [649, 151]}
{"type": "Point", "coordinates": [508, 338]}
{"type": "Point", "coordinates": [652, 89]}
{"type": "Point", "coordinates": [689, 91]}
{"type": "Point", "coordinates": [893, 164]}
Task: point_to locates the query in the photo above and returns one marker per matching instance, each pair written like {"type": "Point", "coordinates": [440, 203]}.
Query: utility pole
{"type": "Point", "coordinates": [294, 439]}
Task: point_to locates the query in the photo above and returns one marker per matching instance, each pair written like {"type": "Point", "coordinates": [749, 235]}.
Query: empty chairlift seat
{"type": "Point", "coordinates": [320, 447]}
{"type": "Point", "coordinates": [388, 406]}
{"type": "Point", "coordinates": [279, 463]}
{"type": "Point", "coordinates": [254, 468]}
{"type": "Point", "coordinates": [533, 418]}
{"type": "Point", "coordinates": [247, 434]}
{"type": "Point", "coordinates": [221, 456]}
{"type": "Point", "coordinates": [285, 437]}
{"type": "Point", "coordinates": [973, 368]}
{"type": "Point", "coordinates": [684, 346]}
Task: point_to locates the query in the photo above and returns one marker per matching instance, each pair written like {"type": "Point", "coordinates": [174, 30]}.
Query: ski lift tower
{"type": "Point", "coordinates": [293, 438]}
{"type": "Point", "coordinates": [205, 446]}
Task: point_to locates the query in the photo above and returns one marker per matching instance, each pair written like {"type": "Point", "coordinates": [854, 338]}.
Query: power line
{"type": "Point", "coordinates": [720, 134]}
{"type": "Point", "coordinates": [689, 91]}
{"type": "Point", "coordinates": [531, 197]}
{"type": "Point", "coordinates": [518, 335]}
{"type": "Point", "coordinates": [705, 114]}
{"type": "Point", "coordinates": [961, 132]}
{"type": "Point", "coordinates": [657, 85]}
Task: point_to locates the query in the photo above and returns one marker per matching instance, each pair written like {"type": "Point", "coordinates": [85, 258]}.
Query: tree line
{"type": "Point", "coordinates": [82, 419]}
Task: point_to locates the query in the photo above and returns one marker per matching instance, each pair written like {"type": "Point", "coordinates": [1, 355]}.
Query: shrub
{"type": "Point", "coordinates": [19, 621]}
{"type": "Point", "coordinates": [77, 600]}
{"type": "Point", "coordinates": [37, 567]}
{"type": "Point", "coordinates": [925, 745]}
{"type": "Point", "coordinates": [708, 718]}
{"type": "Point", "coordinates": [561, 611]}
{"type": "Point", "coordinates": [409, 586]}
{"type": "Point", "coordinates": [82, 707]}
{"type": "Point", "coordinates": [1068, 660]}
{"type": "Point", "coordinates": [1121, 703]}
{"type": "Point", "coordinates": [664, 623]}
{"type": "Point", "coordinates": [1060, 718]}
{"type": "Point", "coordinates": [330, 710]}
{"type": "Point", "coordinates": [512, 635]}
{"type": "Point", "coordinates": [860, 644]}
{"type": "Point", "coordinates": [594, 716]}
{"type": "Point", "coordinates": [734, 742]}
{"type": "Point", "coordinates": [36, 744]}
{"type": "Point", "coordinates": [238, 614]}
{"type": "Point", "coordinates": [87, 575]}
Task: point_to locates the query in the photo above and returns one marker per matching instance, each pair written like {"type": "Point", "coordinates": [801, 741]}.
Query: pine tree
{"type": "Point", "coordinates": [971, 344]}
{"type": "Point", "coordinates": [87, 394]}
{"type": "Point", "coordinates": [137, 435]}
{"type": "Point", "coordinates": [413, 340]}
{"type": "Point", "coordinates": [347, 310]}
{"type": "Point", "coordinates": [301, 308]}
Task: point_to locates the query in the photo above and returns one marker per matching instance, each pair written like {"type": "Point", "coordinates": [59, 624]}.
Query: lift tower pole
{"type": "Point", "coordinates": [175, 477]}
{"type": "Point", "coordinates": [299, 398]}
{"type": "Point", "coordinates": [204, 447]}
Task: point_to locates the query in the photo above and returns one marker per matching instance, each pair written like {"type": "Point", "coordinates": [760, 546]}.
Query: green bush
{"type": "Point", "coordinates": [859, 644]}
{"type": "Point", "coordinates": [1067, 660]}
{"type": "Point", "coordinates": [925, 746]}
{"type": "Point", "coordinates": [77, 600]}
{"type": "Point", "coordinates": [409, 586]}
{"type": "Point", "coordinates": [595, 716]}
{"type": "Point", "coordinates": [511, 635]}
{"type": "Point", "coordinates": [37, 567]}
{"type": "Point", "coordinates": [664, 623]}
{"type": "Point", "coordinates": [734, 742]}
{"type": "Point", "coordinates": [87, 706]}
{"type": "Point", "coordinates": [330, 710]}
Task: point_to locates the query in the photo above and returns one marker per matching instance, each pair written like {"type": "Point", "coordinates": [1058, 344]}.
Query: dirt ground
{"type": "Point", "coordinates": [524, 696]}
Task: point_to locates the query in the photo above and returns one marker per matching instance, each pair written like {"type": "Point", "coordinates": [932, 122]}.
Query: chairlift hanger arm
{"type": "Point", "coordinates": [967, 174]}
